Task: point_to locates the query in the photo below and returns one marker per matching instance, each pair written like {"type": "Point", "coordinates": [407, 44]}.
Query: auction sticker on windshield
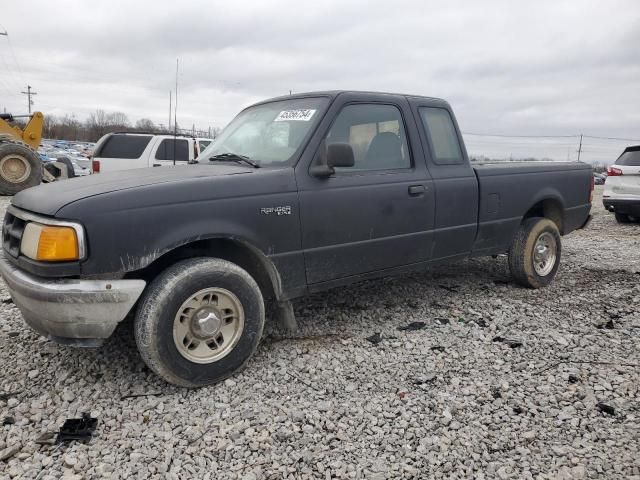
{"type": "Point", "coordinates": [303, 115]}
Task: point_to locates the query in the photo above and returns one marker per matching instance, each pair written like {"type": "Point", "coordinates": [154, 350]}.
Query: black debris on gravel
{"type": "Point", "coordinates": [606, 408]}
{"type": "Point", "coordinates": [8, 421]}
{"type": "Point", "coordinates": [450, 288]}
{"type": "Point", "coordinates": [375, 339]}
{"type": "Point", "coordinates": [413, 326]}
{"type": "Point", "coordinates": [437, 348]}
{"type": "Point", "coordinates": [573, 378]}
{"type": "Point", "coordinates": [77, 429]}
{"type": "Point", "coordinates": [510, 342]}
{"type": "Point", "coordinates": [425, 379]}
{"type": "Point", "coordinates": [609, 325]}
{"type": "Point", "coordinates": [137, 395]}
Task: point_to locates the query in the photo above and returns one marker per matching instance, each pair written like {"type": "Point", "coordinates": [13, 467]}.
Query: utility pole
{"type": "Point", "coordinates": [580, 148]}
{"type": "Point", "coordinates": [175, 117]}
{"type": "Point", "coordinates": [169, 110]}
{"type": "Point", "coordinates": [29, 94]}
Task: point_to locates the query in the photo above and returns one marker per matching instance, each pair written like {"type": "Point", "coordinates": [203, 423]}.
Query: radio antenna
{"type": "Point", "coordinates": [175, 117]}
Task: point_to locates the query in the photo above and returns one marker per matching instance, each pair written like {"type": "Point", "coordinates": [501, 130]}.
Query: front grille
{"type": "Point", "coordinates": [12, 231]}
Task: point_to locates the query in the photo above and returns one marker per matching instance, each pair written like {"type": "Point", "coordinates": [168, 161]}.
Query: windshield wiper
{"type": "Point", "coordinates": [233, 157]}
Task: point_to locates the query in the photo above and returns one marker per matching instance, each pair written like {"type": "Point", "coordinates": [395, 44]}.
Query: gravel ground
{"type": "Point", "coordinates": [445, 401]}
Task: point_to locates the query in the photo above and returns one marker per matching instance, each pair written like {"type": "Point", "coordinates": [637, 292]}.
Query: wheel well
{"type": "Point", "coordinates": [549, 208]}
{"type": "Point", "coordinates": [245, 256]}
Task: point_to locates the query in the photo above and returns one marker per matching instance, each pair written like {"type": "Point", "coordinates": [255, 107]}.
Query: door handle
{"type": "Point", "coordinates": [157, 164]}
{"type": "Point", "coordinates": [416, 190]}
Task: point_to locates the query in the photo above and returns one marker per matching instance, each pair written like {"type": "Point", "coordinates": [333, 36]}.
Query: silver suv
{"type": "Point", "coordinates": [622, 188]}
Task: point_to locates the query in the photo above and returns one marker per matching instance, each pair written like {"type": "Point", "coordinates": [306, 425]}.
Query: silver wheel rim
{"type": "Point", "coordinates": [544, 254]}
{"type": "Point", "coordinates": [208, 325]}
{"type": "Point", "coordinates": [15, 168]}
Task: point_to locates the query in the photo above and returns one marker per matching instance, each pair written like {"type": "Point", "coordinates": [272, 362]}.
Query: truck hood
{"type": "Point", "coordinates": [48, 198]}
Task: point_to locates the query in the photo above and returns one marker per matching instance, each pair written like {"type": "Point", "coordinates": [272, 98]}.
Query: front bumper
{"type": "Point", "coordinates": [71, 311]}
{"type": "Point", "coordinates": [629, 206]}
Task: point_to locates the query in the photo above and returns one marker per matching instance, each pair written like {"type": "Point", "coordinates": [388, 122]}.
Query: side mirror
{"type": "Point", "coordinates": [340, 155]}
{"type": "Point", "coordinates": [335, 155]}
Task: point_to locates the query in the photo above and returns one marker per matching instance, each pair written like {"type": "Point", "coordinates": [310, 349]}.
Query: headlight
{"type": "Point", "coordinates": [50, 243]}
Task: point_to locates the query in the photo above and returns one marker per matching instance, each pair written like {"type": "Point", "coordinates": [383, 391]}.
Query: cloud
{"type": "Point", "coordinates": [546, 67]}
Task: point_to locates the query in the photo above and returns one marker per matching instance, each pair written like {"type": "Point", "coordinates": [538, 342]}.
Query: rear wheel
{"type": "Point", "coordinates": [20, 168]}
{"type": "Point", "coordinates": [622, 217]}
{"type": "Point", "coordinates": [534, 256]}
{"type": "Point", "coordinates": [199, 321]}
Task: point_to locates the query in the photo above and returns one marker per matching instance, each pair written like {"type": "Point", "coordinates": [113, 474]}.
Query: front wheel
{"type": "Point", "coordinates": [534, 256]}
{"type": "Point", "coordinates": [199, 321]}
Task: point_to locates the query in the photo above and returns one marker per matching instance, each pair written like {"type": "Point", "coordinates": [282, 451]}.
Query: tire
{"type": "Point", "coordinates": [622, 217]}
{"type": "Point", "coordinates": [159, 329]}
{"type": "Point", "coordinates": [522, 253]}
{"type": "Point", "coordinates": [20, 168]}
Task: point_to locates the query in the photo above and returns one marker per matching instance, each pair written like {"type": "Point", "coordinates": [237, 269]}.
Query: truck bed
{"type": "Point", "coordinates": [506, 189]}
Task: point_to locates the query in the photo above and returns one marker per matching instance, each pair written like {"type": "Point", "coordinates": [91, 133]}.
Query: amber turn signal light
{"type": "Point", "coordinates": [50, 243]}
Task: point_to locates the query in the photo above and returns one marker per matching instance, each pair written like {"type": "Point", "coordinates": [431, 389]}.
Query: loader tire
{"type": "Point", "coordinates": [20, 168]}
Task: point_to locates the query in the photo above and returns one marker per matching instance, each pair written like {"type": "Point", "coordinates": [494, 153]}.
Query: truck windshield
{"type": "Point", "coordinates": [269, 134]}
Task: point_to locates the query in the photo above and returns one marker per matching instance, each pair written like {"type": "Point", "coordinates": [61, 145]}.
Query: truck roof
{"type": "Point", "coordinates": [334, 93]}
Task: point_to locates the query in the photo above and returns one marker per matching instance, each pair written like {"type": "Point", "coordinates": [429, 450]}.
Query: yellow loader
{"type": "Point", "coordinates": [20, 164]}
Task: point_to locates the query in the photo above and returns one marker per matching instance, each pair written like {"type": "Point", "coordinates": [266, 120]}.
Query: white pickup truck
{"type": "Point", "coordinates": [124, 151]}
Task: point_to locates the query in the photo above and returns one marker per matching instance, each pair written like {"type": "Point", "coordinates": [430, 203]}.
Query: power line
{"type": "Point", "coordinates": [13, 53]}
{"type": "Point", "coordinates": [519, 136]}
{"type": "Point", "coordinates": [614, 138]}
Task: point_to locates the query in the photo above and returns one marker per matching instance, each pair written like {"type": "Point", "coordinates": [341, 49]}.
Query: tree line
{"type": "Point", "coordinates": [100, 122]}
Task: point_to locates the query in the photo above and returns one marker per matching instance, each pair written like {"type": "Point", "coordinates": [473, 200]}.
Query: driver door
{"type": "Point", "coordinates": [375, 215]}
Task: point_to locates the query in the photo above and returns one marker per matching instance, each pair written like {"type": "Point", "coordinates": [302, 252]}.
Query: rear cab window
{"type": "Point", "coordinates": [441, 132]}
{"type": "Point", "coordinates": [123, 146]}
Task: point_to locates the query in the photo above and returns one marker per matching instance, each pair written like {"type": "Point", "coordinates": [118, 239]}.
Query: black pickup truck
{"type": "Point", "coordinates": [298, 194]}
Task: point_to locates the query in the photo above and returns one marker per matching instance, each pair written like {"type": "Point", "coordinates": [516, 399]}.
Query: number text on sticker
{"type": "Point", "coordinates": [303, 115]}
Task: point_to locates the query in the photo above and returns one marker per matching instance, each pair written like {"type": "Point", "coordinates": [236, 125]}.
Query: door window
{"type": "Point", "coordinates": [445, 147]}
{"type": "Point", "coordinates": [166, 149]}
{"type": "Point", "coordinates": [376, 134]}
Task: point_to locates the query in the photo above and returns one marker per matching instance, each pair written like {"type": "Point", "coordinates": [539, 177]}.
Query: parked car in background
{"type": "Point", "coordinates": [598, 178]}
{"type": "Point", "coordinates": [622, 189]}
{"type": "Point", "coordinates": [125, 151]}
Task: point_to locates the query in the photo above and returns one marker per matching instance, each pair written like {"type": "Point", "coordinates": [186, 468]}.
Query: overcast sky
{"type": "Point", "coordinates": [509, 67]}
